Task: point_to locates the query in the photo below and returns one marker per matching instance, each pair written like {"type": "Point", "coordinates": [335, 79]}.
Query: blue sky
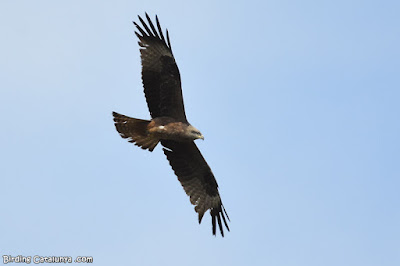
{"type": "Point", "coordinates": [298, 102]}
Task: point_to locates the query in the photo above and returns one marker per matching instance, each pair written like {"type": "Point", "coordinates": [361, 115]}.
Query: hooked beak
{"type": "Point", "coordinates": [201, 137]}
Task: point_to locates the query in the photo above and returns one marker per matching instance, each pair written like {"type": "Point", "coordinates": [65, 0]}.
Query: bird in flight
{"type": "Point", "coordinates": [169, 125]}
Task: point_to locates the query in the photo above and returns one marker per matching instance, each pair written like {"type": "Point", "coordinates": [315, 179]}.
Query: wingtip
{"type": "Point", "coordinates": [201, 217]}
{"type": "Point", "coordinates": [227, 216]}
{"type": "Point", "coordinates": [140, 19]}
{"type": "Point", "coordinates": [169, 43]}
{"type": "Point", "coordinates": [214, 227]}
{"type": "Point", "coordinates": [216, 215]}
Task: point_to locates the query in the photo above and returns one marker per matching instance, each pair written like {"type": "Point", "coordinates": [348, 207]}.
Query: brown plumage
{"type": "Point", "coordinates": [135, 130]}
{"type": "Point", "coordinates": [162, 88]}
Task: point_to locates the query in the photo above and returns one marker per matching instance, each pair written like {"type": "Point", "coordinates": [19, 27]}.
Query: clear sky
{"type": "Point", "coordinates": [298, 102]}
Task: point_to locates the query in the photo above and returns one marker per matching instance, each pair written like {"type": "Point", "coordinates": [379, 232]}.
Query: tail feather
{"type": "Point", "coordinates": [135, 130]}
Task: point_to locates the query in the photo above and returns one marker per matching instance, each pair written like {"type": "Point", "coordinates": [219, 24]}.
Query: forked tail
{"type": "Point", "coordinates": [135, 130]}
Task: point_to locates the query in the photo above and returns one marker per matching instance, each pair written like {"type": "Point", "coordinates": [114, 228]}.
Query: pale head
{"type": "Point", "coordinates": [193, 133]}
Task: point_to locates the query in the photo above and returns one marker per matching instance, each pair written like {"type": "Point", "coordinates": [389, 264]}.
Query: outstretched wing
{"type": "Point", "coordinates": [160, 74]}
{"type": "Point", "coordinates": [197, 180]}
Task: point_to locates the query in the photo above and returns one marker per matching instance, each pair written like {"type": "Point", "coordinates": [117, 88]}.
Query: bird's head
{"type": "Point", "coordinates": [193, 133]}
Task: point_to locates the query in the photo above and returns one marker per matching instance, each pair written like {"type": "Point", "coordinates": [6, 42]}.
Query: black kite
{"type": "Point", "coordinates": [162, 88]}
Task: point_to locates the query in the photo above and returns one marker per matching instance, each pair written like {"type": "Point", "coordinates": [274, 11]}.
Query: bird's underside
{"type": "Point", "coordinates": [147, 133]}
{"type": "Point", "coordinates": [162, 88]}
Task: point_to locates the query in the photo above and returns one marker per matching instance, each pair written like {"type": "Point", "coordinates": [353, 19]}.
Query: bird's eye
{"type": "Point", "coordinates": [195, 132]}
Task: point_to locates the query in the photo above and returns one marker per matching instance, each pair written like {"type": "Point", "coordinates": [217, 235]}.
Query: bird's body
{"type": "Point", "coordinates": [162, 88]}
{"type": "Point", "coordinates": [167, 129]}
{"type": "Point", "coordinates": [147, 133]}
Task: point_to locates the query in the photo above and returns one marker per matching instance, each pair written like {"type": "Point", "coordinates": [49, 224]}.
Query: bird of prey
{"type": "Point", "coordinates": [162, 88]}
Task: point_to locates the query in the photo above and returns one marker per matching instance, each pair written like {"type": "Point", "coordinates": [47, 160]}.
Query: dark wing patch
{"type": "Point", "coordinates": [197, 180]}
{"type": "Point", "coordinates": [160, 74]}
